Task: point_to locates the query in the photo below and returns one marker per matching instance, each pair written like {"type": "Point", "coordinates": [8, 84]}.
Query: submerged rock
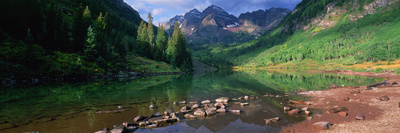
{"type": "Point", "coordinates": [153, 119]}
{"type": "Point", "coordinates": [110, 111]}
{"type": "Point", "coordinates": [221, 110]}
{"type": "Point", "coordinates": [210, 112]}
{"type": "Point", "coordinates": [173, 115]}
{"type": "Point", "coordinates": [246, 97]}
{"type": "Point", "coordinates": [127, 124]}
{"type": "Point", "coordinates": [152, 126]}
{"type": "Point", "coordinates": [144, 123]}
{"type": "Point", "coordinates": [307, 113]}
{"type": "Point", "coordinates": [293, 112]}
{"type": "Point", "coordinates": [244, 104]}
{"type": "Point", "coordinates": [235, 111]}
{"type": "Point", "coordinates": [219, 105]}
{"type": "Point", "coordinates": [222, 100]}
{"type": "Point", "coordinates": [323, 125]}
{"type": "Point", "coordinates": [138, 118]}
{"type": "Point", "coordinates": [199, 113]}
{"type": "Point", "coordinates": [118, 129]}
{"type": "Point", "coordinates": [105, 130]}
{"type": "Point", "coordinates": [269, 121]}
{"type": "Point", "coordinates": [166, 113]}
{"type": "Point", "coordinates": [189, 116]}
{"type": "Point", "coordinates": [153, 106]}
{"type": "Point", "coordinates": [206, 102]}
{"type": "Point", "coordinates": [335, 110]}
{"type": "Point", "coordinates": [185, 109]}
{"type": "Point", "coordinates": [195, 106]}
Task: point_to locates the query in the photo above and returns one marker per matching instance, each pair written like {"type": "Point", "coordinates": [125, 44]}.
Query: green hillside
{"type": "Point", "coordinates": [374, 37]}
{"type": "Point", "coordinates": [79, 38]}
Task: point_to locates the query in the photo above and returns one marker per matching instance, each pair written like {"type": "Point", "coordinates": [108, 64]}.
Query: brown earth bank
{"type": "Point", "coordinates": [380, 115]}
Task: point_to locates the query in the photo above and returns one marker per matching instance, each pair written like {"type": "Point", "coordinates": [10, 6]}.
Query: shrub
{"type": "Point", "coordinates": [378, 70]}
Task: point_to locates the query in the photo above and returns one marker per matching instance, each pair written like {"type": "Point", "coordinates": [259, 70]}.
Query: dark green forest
{"type": "Point", "coordinates": [79, 38]}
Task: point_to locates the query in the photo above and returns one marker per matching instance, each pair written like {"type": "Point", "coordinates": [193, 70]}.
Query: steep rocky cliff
{"type": "Point", "coordinates": [215, 25]}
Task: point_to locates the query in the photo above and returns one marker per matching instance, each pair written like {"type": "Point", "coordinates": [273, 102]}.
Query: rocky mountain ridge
{"type": "Point", "coordinates": [265, 19]}
{"type": "Point", "coordinates": [214, 24]}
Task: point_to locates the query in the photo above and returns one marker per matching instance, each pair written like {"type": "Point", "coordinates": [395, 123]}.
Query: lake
{"type": "Point", "coordinates": [74, 107]}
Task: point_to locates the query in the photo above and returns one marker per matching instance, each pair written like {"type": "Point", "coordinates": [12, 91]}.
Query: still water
{"type": "Point", "coordinates": [72, 107]}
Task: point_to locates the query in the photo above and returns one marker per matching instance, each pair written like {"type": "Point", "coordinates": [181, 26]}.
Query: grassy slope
{"type": "Point", "coordinates": [144, 65]}
{"type": "Point", "coordinates": [375, 37]}
{"type": "Point", "coordinates": [365, 40]}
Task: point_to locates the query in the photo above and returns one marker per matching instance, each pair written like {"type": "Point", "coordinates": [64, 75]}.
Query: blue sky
{"type": "Point", "coordinates": [163, 10]}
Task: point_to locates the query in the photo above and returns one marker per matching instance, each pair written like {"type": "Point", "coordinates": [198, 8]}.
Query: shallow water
{"type": "Point", "coordinates": [72, 107]}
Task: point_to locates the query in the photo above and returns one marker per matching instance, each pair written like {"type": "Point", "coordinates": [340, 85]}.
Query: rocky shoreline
{"type": "Point", "coordinates": [369, 108]}
{"type": "Point", "coordinates": [205, 109]}
{"type": "Point", "coordinates": [189, 111]}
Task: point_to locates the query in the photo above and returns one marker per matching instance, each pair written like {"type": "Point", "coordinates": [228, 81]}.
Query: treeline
{"type": "Point", "coordinates": [73, 38]}
{"type": "Point", "coordinates": [160, 47]}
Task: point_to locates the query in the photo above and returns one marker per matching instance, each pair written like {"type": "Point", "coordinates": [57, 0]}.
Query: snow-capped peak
{"type": "Point", "coordinates": [236, 24]}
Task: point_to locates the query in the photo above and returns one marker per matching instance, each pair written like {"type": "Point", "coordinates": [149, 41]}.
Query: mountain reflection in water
{"type": "Point", "coordinates": [72, 107]}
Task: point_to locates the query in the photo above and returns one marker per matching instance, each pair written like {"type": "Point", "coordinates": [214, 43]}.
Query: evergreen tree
{"type": "Point", "coordinates": [150, 30]}
{"type": "Point", "coordinates": [172, 50]}
{"type": "Point", "coordinates": [90, 44]}
{"type": "Point", "coordinates": [101, 43]}
{"type": "Point", "coordinates": [144, 46]}
{"type": "Point", "coordinates": [139, 38]}
{"type": "Point", "coordinates": [87, 20]}
{"type": "Point", "coordinates": [177, 52]}
{"type": "Point", "coordinates": [161, 44]}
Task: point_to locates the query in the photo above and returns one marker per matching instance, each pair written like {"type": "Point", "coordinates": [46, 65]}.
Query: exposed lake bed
{"type": "Point", "coordinates": [83, 107]}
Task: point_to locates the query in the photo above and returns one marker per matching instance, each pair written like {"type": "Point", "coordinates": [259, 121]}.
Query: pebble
{"type": "Point", "coordinates": [323, 125]}
{"type": "Point", "coordinates": [244, 104]}
{"type": "Point", "coordinates": [342, 113]}
{"type": "Point", "coordinates": [360, 117]}
{"type": "Point", "coordinates": [384, 98]}
{"type": "Point", "coordinates": [153, 106]}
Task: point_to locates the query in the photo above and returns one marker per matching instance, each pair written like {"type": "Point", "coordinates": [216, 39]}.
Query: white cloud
{"type": "Point", "coordinates": [202, 6]}
{"type": "Point", "coordinates": [157, 11]}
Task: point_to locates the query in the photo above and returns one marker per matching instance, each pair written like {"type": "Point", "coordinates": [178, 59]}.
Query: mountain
{"type": "Point", "coordinates": [210, 27]}
{"type": "Point", "coordinates": [169, 26]}
{"type": "Point", "coordinates": [190, 22]}
{"type": "Point", "coordinates": [215, 25]}
{"type": "Point", "coordinates": [263, 19]}
{"type": "Point", "coordinates": [330, 32]}
{"type": "Point", "coordinates": [216, 16]}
